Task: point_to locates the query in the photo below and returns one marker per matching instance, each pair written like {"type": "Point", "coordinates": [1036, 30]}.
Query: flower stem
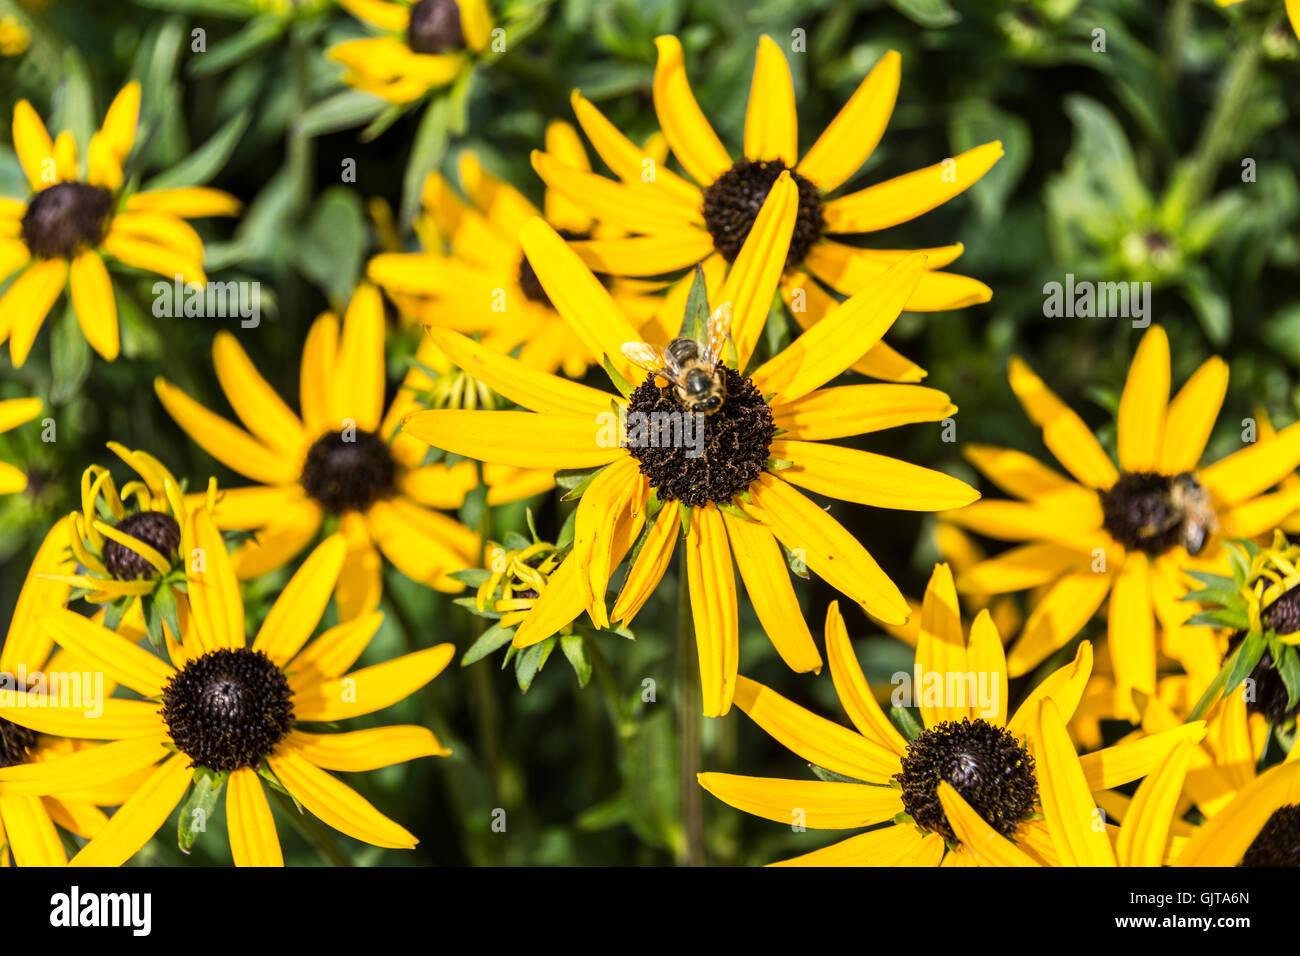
{"type": "Point", "coordinates": [689, 695]}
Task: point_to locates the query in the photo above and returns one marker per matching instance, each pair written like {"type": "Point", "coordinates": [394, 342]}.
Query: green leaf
{"type": "Point", "coordinates": [905, 722]}
{"type": "Point", "coordinates": [530, 662]}
{"type": "Point", "coordinates": [74, 101]}
{"type": "Point", "coordinates": [1237, 620]}
{"type": "Point", "coordinates": [830, 776]}
{"type": "Point", "coordinates": [695, 320]}
{"type": "Point", "coordinates": [332, 247]}
{"type": "Point", "coordinates": [1248, 655]}
{"type": "Point", "coordinates": [199, 806]}
{"type": "Point", "coordinates": [341, 111]}
{"type": "Point", "coordinates": [257, 34]}
{"type": "Point", "coordinates": [70, 357]}
{"type": "Point", "coordinates": [927, 13]}
{"type": "Point", "coordinates": [490, 640]}
{"type": "Point", "coordinates": [164, 601]}
{"type": "Point", "coordinates": [624, 387]}
{"type": "Point", "coordinates": [473, 577]}
{"type": "Point", "coordinates": [200, 166]}
{"type": "Point", "coordinates": [575, 649]}
{"type": "Point", "coordinates": [426, 153]}
{"type": "Point", "coordinates": [1287, 663]}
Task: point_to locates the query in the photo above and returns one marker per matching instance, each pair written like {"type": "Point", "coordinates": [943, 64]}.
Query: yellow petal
{"type": "Point", "coordinates": [1192, 415]}
{"type": "Point", "coordinates": [120, 120]}
{"type": "Point", "coordinates": [70, 772]}
{"type": "Point", "coordinates": [27, 303]}
{"type": "Point", "coordinates": [137, 820]}
{"type": "Point", "coordinates": [859, 409]}
{"type": "Point", "coordinates": [1125, 762]}
{"type": "Point", "coordinates": [1247, 472]}
{"type": "Point", "coordinates": [1064, 687]}
{"type": "Point", "coordinates": [358, 384]}
{"type": "Point", "coordinates": [30, 831]}
{"type": "Point", "coordinates": [842, 336]}
{"type": "Point", "coordinates": [187, 202]}
{"type": "Point", "coordinates": [689, 134]}
{"type": "Point", "coordinates": [525, 439]}
{"type": "Point", "coordinates": [261, 410]}
{"type": "Point", "coordinates": [298, 609]}
{"type": "Point", "coordinates": [767, 582]}
{"type": "Point", "coordinates": [119, 658]}
{"type": "Point", "coordinates": [253, 840]}
{"type": "Point", "coordinates": [816, 739]}
{"type": "Point", "coordinates": [216, 606]}
{"type": "Point", "coordinates": [771, 123]}
{"type": "Point", "coordinates": [851, 137]}
{"type": "Point", "coordinates": [649, 567]}
{"type": "Point", "coordinates": [753, 277]}
{"type": "Point", "coordinates": [646, 255]}
{"type": "Point", "coordinates": [372, 688]}
{"type": "Point", "coordinates": [93, 301]}
{"type": "Point", "coordinates": [906, 197]}
{"type": "Point", "coordinates": [817, 804]}
{"type": "Point", "coordinates": [1077, 826]}
{"type": "Point", "coordinates": [336, 804]}
{"type": "Point", "coordinates": [826, 547]}
{"type": "Point", "coordinates": [940, 646]}
{"type": "Point", "coordinates": [370, 749]}
{"type": "Point", "coordinates": [1132, 637]}
{"type": "Point", "coordinates": [1224, 839]}
{"type": "Point", "coordinates": [986, 845]}
{"type": "Point", "coordinates": [869, 479]}
{"type": "Point", "coordinates": [1143, 837]}
{"type": "Point", "coordinates": [851, 686]}
{"type": "Point", "coordinates": [713, 608]}
{"type": "Point", "coordinates": [34, 147]}
{"type": "Point", "coordinates": [1142, 404]}
{"type": "Point", "coordinates": [897, 845]}
{"type": "Point", "coordinates": [630, 206]}
{"type": "Point", "coordinates": [1075, 447]}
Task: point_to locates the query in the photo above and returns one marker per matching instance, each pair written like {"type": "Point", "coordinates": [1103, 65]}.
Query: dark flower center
{"type": "Point", "coordinates": [1271, 697]}
{"type": "Point", "coordinates": [1283, 615]}
{"type": "Point", "coordinates": [1139, 513]}
{"type": "Point", "coordinates": [66, 218]}
{"type": "Point", "coordinates": [16, 741]}
{"type": "Point", "coordinates": [156, 529]}
{"type": "Point", "coordinates": [982, 762]}
{"type": "Point", "coordinates": [1278, 844]}
{"type": "Point", "coordinates": [732, 203]}
{"type": "Point", "coordinates": [435, 27]}
{"type": "Point", "coordinates": [349, 471]}
{"type": "Point", "coordinates": [228, 709]}
{"type": "Point", "coordinates": [695, 458]}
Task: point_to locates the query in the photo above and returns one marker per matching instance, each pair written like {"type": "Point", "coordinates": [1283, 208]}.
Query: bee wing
{"type": "Point", "coordinates": [719, 329]}
{"type": "Point", "coordinates": [643, 355]}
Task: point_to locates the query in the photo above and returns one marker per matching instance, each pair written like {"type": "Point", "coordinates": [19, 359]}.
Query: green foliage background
{"type": "Point", "coordinates": [1120, 165]}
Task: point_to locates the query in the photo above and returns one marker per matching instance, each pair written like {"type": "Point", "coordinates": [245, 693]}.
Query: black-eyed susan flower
{"type": "Point", "coordinates": [30, 811]}
{"type": "Point", "coordinates": [1128, 532]}
{"type": "Point", "coordinates": [239, 713]}
{"type": "Point", "coordinates": [420, 46]}
{"type": "Point", "coordinates": [967, 786]}
{"type": "Point", "coordinates": [473, 275]}
{"type": "Point", "coordinates": [80, 214]}
{"type": "Point", "coordinates": [673, 223]}
{"type": "Point", "coordinates": [1259, 826]}
{"type": "Point", "coordinates": [735, 491]}
{"type": "Point", "coordinates": [344, 457]}
{"type": "Point", "coordinates": [15, 412]}
{"type": "Point", "coordinates": [127, 543]}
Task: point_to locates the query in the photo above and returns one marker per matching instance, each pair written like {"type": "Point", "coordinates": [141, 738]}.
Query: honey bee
{"type": "Point", "coordinates": [1191, 499]}
{"type": "Point", "coordinates": [688, 365]}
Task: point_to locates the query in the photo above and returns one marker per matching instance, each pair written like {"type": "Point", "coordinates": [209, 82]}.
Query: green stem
{"type": "Point", "coordinates": [689, 696]}
{"type": "Point", "coordinates": [311, 829]}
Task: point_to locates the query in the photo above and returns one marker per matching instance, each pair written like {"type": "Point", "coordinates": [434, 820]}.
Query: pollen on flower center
{"type": "Point", "coordinates": [982, 762]}
{"type": "Point", "coordinates": [228, 708]}
{"type": "Point", "coordinates": [66, 218]}
{"type": "Point", "coordinates": [684, 465]}
{"type": "Point", "coordinates": [1278, 843]}
{"type": "Point", "coordinates": [1138, 513]}
{"type": "Point", "coordinates": [435, 27]}
{"type": "Point", "coordinates": [156, 529]}
{"type": "Point", "coordinates": [349, 471]}
{"type": "Point", "coordinates": [732, 203]}
{"type": "Point", "coordinates": [16, 742]}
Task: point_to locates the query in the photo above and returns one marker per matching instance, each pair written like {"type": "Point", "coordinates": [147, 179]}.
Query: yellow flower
{"type": "Point", "coordinates": [14, 38]}
{"type": "Point", "coordinates": [343, 457]}
{"type": "Point", "coordinates": [424, 45]}
{"type": "Point", "coordinates": [211, 685]}
{"type": "Point", "coordinates": [485, 283]}
{"type": "Point", "coordinates": [79, 215]}
{"type": "Point", "coordinates": [740, 494]}
{"type": "Point", "coordinates": [969, 787]}
{"type": "Point", "coordinates": [15, 412]}
{"type": "Point", "coordinates": [125, 551]}
{"type": "Point", "coordinates": [29, 811]}
{"type": "Point", "coordinates": [676, 224]}
{"type": "Point", "coordinates": [1118, 532]}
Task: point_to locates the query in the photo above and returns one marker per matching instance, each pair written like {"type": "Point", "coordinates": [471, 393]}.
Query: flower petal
{"type": "Point", "coordinates": [337, 804]}
{"type": "Point", "coordinates": [817, 804]}
{"type": "Point", "coordinates": [298, 609]}
{"type": "Point", "coordinates": [261, 410]}
{"type": "Point", "coordinates": [370, 749]}
{"type": "Point", "coordinates": [771, 122]}
{"type": "Point", "coordinates": [1143, 402]}
{"type": "Point", "coordinates": [712, 586]}
{"type": "Point", "coordinates": [93, 301]}
{"type": "Point", "coordinates": [1072, 815]}
{"type": "Point", "coordinates": [253, 840]}
{"type": "Point", "coordinates": [1192, 415]}
{"type": "Point", "coordinates": [524, 439]}
{"type": "Point", "coordinates": [372, 688]}
{"type": "Point", "coordinates": [857, 128]}
{"type": "Point", "coordinates": [986, 845]}
{"type": "Point", "coordinates": [137, 820]}
{"type": "Point", "coordinates": [850, 474]}
{"type": "Point", "coordinates": [859, 409]}
{"type": "Point", "coordinates": [689, 134]}
{"type": "Point", "coordinates": [852, 689]}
